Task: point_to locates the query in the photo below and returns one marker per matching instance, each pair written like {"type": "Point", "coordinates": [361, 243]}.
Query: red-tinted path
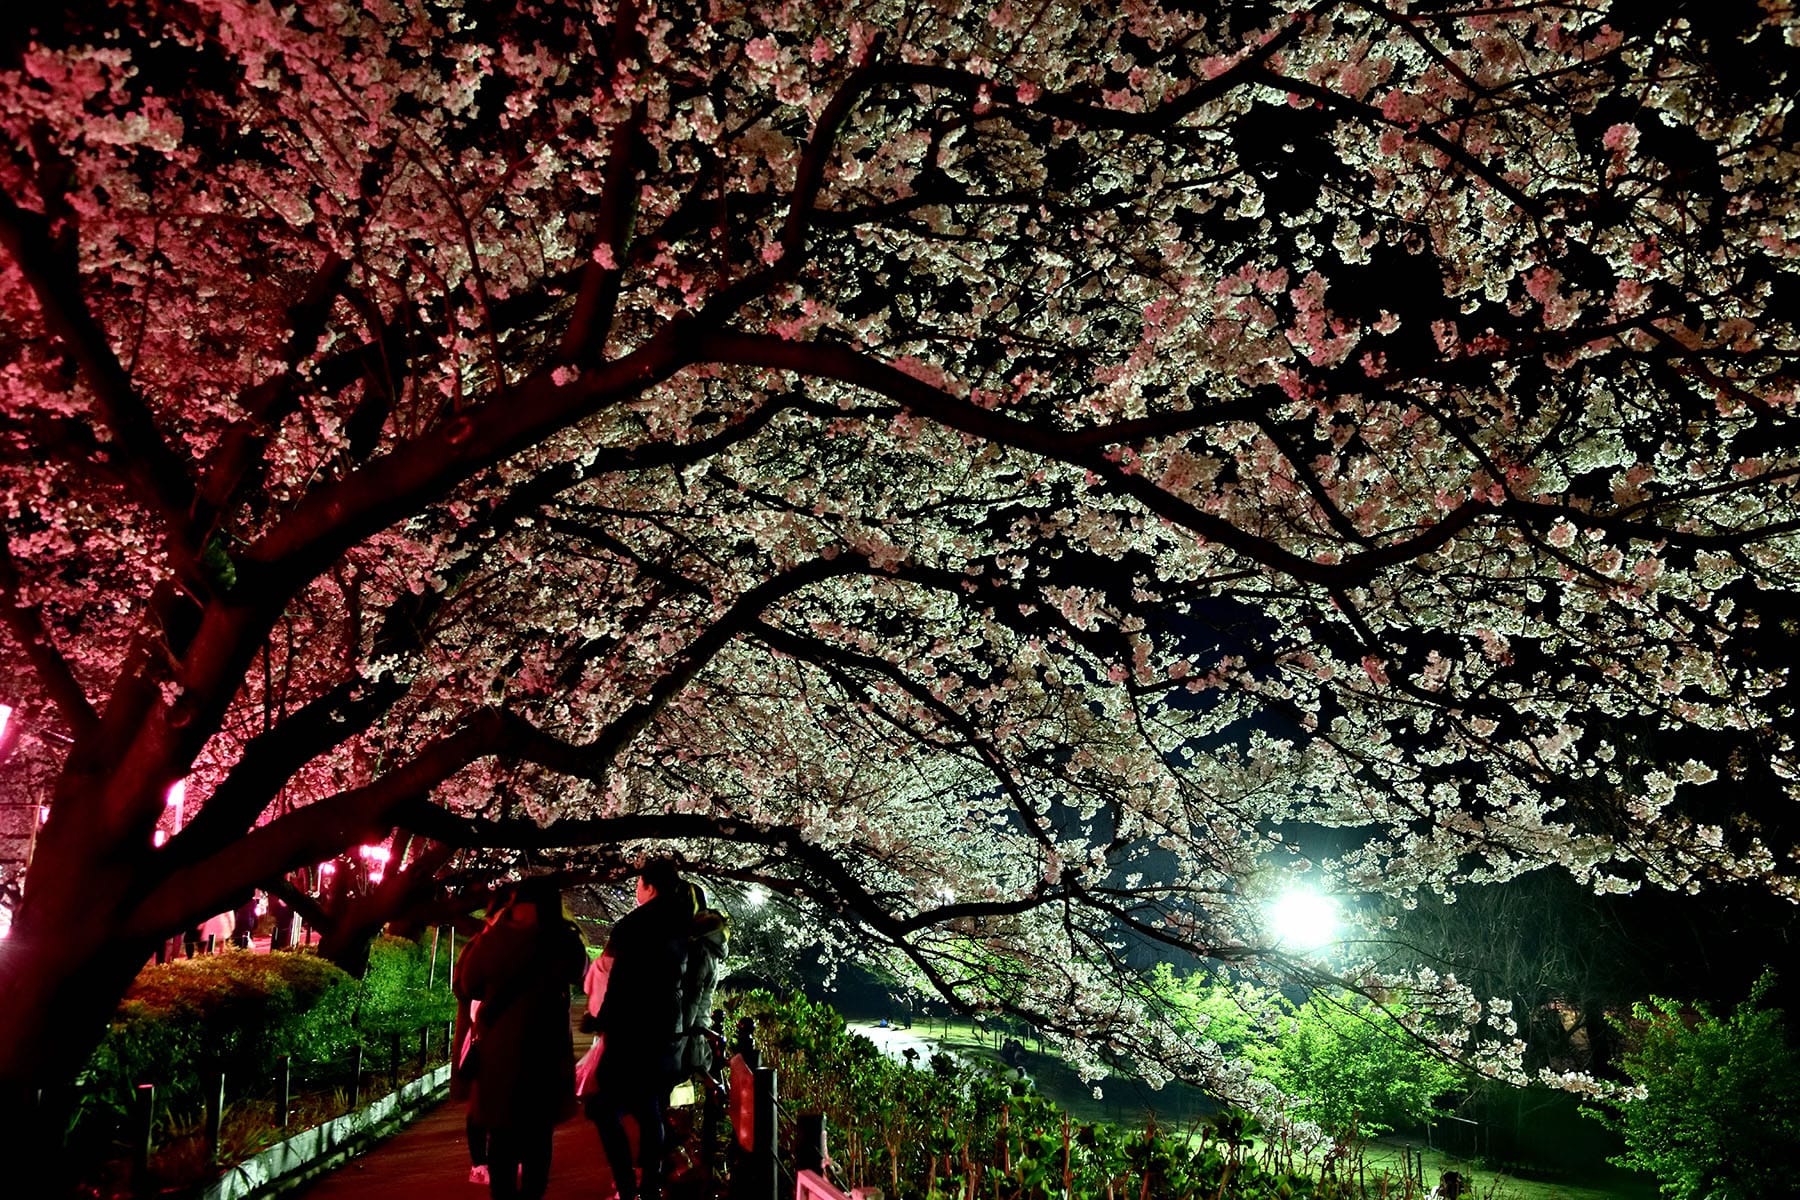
{"type": "Point", "coordinates": [429, 1160]}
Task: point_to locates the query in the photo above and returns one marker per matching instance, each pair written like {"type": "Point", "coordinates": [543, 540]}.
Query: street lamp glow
{"type": "Point", "coordinates": [756, 895]}
{"type": "Point", "coordinates": [376, 858]}
{"type": "Point", "coordinates": [1303, 920]}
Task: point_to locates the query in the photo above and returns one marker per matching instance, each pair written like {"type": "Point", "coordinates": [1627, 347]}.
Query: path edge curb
{"type": "Point", "coordinates": [312, 1152]}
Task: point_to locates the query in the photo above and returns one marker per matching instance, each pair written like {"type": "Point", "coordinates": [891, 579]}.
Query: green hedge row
{"type": "Point", "coordinates": [241, 1013]}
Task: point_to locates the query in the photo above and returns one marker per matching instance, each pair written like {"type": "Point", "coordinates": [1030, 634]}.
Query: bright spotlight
{"type": "Point", "coordinates": [1303, 920]}
{"type": "Point", "coordinates": [756, 895]}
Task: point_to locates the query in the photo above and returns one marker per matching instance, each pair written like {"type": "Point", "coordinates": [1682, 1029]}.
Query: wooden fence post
{"type": "Point", "coordinates": [284, 1089]}
{"type": "Point", "coordinates": [764, 1171]}
{"type": "Point", "coordinates": [809, 1138]}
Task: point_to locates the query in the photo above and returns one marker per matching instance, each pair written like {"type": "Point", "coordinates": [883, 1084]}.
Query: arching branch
{"type": "Point", "coordinates": [159, 478]}
{"type": "Point", "coordinates": [51, 668]}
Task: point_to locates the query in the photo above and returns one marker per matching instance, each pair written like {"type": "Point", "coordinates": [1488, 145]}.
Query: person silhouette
{"type": "Point", "coordinates": [520, 971]}
{"type": "Point", "coordinates": [640, 1020]}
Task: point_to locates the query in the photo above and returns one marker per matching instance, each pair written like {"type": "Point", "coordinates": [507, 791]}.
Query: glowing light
{"type": "Point", "coordinates": [5, 716]}
{"type": "Point", "coordinates": [756, 896]}
{"type": "Point", "coordinates": [177, 800]}
{"type": "Point", "coordinates": [1303, 920]}
{"type": "Point", "coordinates": [159, 837]}
{"type": "Point", "coordinates": [377, 859]}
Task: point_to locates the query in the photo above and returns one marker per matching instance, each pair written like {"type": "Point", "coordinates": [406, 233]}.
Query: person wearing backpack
{"type": "Point", "coordinates": [709, 940]}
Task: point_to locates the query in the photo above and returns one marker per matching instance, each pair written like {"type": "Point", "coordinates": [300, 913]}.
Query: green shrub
{"type": "Point", "coordinates": [954, 1130]}
{"type": "Point", "coordinates": [395, 997]}
{"type": "Point", "coordinates": [1720, 1113]}
{"type": "Point", "coordinates": [1352, 1068]}
{"type": "Point", "coordinates": [236, 1010]}
{"type": "Point", "coordinates": [241, 1013]}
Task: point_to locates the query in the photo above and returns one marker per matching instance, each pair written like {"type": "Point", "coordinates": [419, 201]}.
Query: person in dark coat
{"type": "Point", "coordinates": [243, 923]}
{"type": "Point", "coordinates": [520, 971]}
{"type": "Point", "coordinates": [640, 1019]}
{"type": "Point", "coordinates": [281, 914]}
{"type": "Point", "coordinates": [462, 1041]}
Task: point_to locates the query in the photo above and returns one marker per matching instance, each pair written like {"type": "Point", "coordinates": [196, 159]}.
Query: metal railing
{"type": "Point", "coordinates": [402, 1056]}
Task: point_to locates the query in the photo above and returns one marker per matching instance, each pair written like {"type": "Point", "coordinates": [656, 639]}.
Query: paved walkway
{"type": "Point", "coordinates": [429, 1160]}
{"type": "Point", "coordinates": [894, 1040]}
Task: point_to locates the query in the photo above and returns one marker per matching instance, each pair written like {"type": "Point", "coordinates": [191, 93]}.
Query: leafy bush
{"type": "Point", "coordinates": [395, 997]}
{"type": "Point", "coordinates": [237, 1011]}
{"type": "Point", "coordinates": [1352, 1068]}
{"type": "Point", "coordinates": [1719, 1118]}
{"type": "Point", "coordinates": [1202, 1006]}
{"type": "Point", "coordinates": [240, 1013]}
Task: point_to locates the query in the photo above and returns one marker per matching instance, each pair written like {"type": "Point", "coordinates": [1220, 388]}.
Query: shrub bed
{"type": "Point", "coordinates": [241, 1013]}
{"type": "Point", "coordinates": [952, 1130]}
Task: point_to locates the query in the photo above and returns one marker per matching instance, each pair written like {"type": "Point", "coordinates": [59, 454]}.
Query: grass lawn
{"type": "Point", "coordinates": [1497, 1185]}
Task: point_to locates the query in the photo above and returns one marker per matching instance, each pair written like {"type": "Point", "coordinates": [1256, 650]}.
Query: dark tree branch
{"type": "Point", "coordinates": [158, 477]}
{"type": "Point", "coordinates": [405, 885]}
{"type": "Point", "coordinates": [584, 341]}
{"type": "Point", "coordinates": [814, 650]}
{"type": "Point", "coordinates": [1370, 115]}
{"type": "Point", "coordinates": [271, 759]}
{"type": "Point", "coordinates": [1160, 119]}
{"type": "Point", "coordinates": [266, 405]}
{"type": "Point", "coordinates": [307, 835]}
{"type": "Point", "coordinates": [51, 668]}
{"type": "Point", "coordinates": [322, 829]}
{"type": "Point", "coordinates": [338, 515]}
{"type": "Point", "coordinates": [842, 363]}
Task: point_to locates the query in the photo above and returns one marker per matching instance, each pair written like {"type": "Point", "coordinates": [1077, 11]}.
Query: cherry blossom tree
{"type": "Point", "coordinates": [991, 474]}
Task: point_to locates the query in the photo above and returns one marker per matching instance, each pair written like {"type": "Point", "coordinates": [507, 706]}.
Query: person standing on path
{"type": "Point", "coordinates": [639, 1019]}
{"type": "Point", "coordinates": [462, 1064]}
{"type": "Point", "coordinates": [520, 971]}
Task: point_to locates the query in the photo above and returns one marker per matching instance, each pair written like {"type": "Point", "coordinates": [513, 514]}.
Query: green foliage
{"type": "Point", "coordinates": [954, 1130]}
{"type": "Point", "coordinates": [1719, 1118]}
{"type": "Point", "coordinates": [236, 1010]}
{"type": "Point", "coordinates": [1352, 1068]}
{"type": "Point", "coordinates": [395, 997]}
{"type": "Point", "coordinates": [1211, 1011]}
{"type": "Point", "coordinates": [240, 1013]}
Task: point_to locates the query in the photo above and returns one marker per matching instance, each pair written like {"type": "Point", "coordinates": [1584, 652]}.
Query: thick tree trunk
{"type": "Point", "coordinates": [68, 958]}
{"type": "Point", "coordinates": [61, 977]}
